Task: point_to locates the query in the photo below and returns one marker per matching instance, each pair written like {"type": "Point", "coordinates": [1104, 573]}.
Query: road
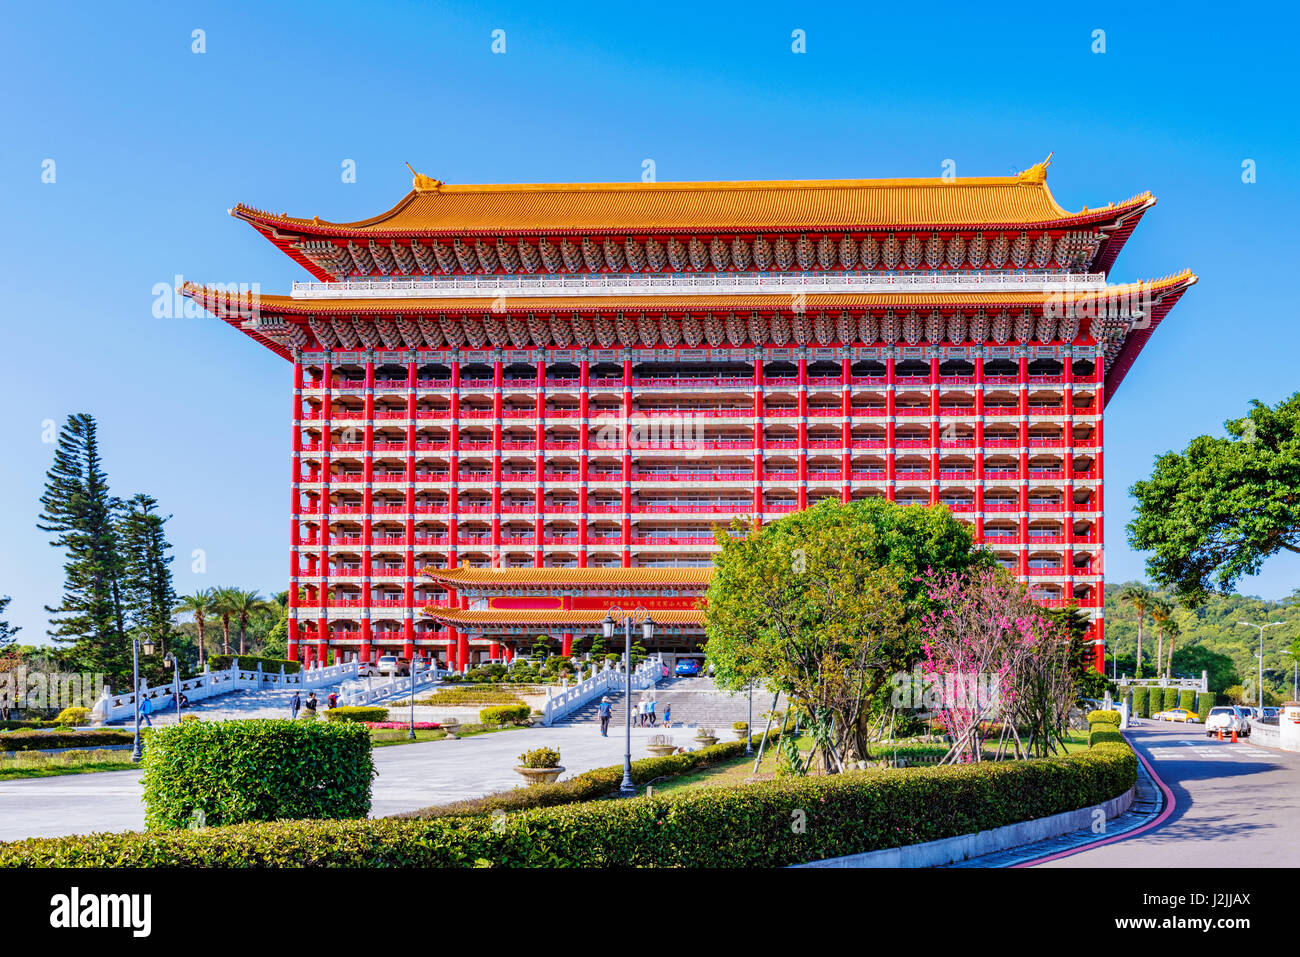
{"type": "Point", "coordinates": [410, 776]}
{"type": "Point", "coordinates": [1234, 805]}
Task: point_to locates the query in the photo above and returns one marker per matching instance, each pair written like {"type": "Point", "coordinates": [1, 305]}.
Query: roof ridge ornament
{"type": "Point", "coordinates": [1036, 175]}
{"type": "Point", "coordinates": [423, 184]}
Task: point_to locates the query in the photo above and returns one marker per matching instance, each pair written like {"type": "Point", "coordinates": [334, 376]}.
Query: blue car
{"type": "Point", "coordinates": [688, 667]}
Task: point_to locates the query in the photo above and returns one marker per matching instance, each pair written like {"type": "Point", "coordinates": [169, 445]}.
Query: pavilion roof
{"type": "Point", "coordinates": [434, 208]}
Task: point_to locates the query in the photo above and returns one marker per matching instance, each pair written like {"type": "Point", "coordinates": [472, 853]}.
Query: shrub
{"type": "Point", "coordinates": [356, 713]}
{"type": "Point", "coordinates": [540, 758]}
{"type": "Point", "coordinates": [705, 827]}
{"type": "Point", "coordinates": [1104, 734]}
{"type": "Point", "coordinates": [1187, 699]}
{"type": "Point", "coordinates": [740, 726]}
{"type": "Point", "coordinates": [1103, 717]}
{"type": "Point", "coordinates": [1140, 701]}
{"type": "Point", "coordinates": [36, 739]}
{"type": "Point", "coordinates": [505, 714]}
{"type": "Point", "coordinates": [259, 770]}
{"type": "Point", "coordinates": [269, 665]}
{"type": "Point", "coordinates": [1169, 699]}
{"type": "Point", "coordinates": [189, 717]}
{"type": "Point", "coordinates": [468, 697]}
{"type": "Point", "coordinates": [306, 714]}
{"type": "Point", "coordinates": [73, 717]}
{"type": "Point", "coordinates": [1204, 702]}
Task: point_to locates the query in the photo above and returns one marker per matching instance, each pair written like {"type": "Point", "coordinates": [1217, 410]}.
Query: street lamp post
{"type": "Point", "coordinates": [170, 659]}
{"type": "Point", "coordinates": [411, 735]}
{"type": "Point", "coordinates": [1259, 691]}
{"type": "Point", "coordinates": [136, 647]}
{"type": "Point", "coordinates": [749, 722]}
{"type": "Point", "coordinates": [627, 788]}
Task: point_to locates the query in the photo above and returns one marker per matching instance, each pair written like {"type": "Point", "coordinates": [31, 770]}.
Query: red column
{"type": "Point", "coordinates": [979, 448]}
{"type": "Point", "coordinates": [494, 650]}
{"type": "Point", "coordinates": [1099, 508]}
{"type": "Point", "coordinates": [934, 430]}
{"type": "Point", "coordinates": [566, 643]}
{"type": "Point", "coordinates": [758, 438]}
{"type": "Point", "coordinates": [539, 468]}
{"type": "Point", "coordinates": [891, 429]}
{"type": "Point", "coordinates": [803, 434]}
{"type": "Point", "coordinates": [1023, 469]}
{"type": "Point", "coordinates": [627, 463]}
{"type": "Point", "coordinates": [498, 377]}
{"type": "Point", "coordinates": [367, 507]}
{"type": "Point", "coordinates": [408, 586]}
{"type": "Point", "coordinates": [846, 428]}
{"type": "Point", "coordinates": [295, 533]}
{"type": "Point", "coordinates": [327, 441]}
{"type": "Point", "coordinates": [584, 449]}
{"type": "Point", "coordinates": [462, 642]}
{"type": "Point", "coordinates": [453, 498]}
{"type": "Point", "coordinates": [1067, 464]}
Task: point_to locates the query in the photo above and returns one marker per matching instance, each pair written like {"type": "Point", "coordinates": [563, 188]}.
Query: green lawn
{"type": "Point", "coordinates": [37, 765]}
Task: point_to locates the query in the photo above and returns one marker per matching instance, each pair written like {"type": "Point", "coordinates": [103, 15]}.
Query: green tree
{"type": "Point", "coordinates": [7, 631]}
{"type": "Point", "coordinates": [1141, 598]}
{"type": "Point", "coordinates": [200, 605]}
{"type": "Point", "coordinates": [78, 511]}
{"type": "Point", "coordinates": [148, 596]}
{"type": "Point", "coordinates": [243, 605]}
{"type": "Point", "coordinates": [1162, 610]}
{"type": "Point", "coordinates": [1169, 628]}
{"type": "Point", "coordinates": [225, 605]}
{"type": "Point", "coordinates": [1074, 622]}
{"type": "Point", "coordinates": [1215, 511]}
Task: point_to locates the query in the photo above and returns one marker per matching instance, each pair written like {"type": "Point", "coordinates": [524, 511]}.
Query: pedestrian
{"type": "Point", "coordinates": [294, 704]}
{"type": "Point", "coordinates": [185, 701]}
{"type": "Point", "coordinates": [606, 711]}
{"type": "Point", "coordinates": [650, 711]}
{"type": "Point", "coordinates": [334, 700]}
{"type": "Point", "coordinates": [311, 703]}
{"type": "Point", "coordinates": [668, 708]}
{"type": "Point", "coordinates": [146, 709]}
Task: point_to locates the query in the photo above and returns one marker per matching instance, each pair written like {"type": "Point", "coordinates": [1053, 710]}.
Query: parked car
{"type": "Point", "coordinates": [1226, 719]}
{"type": "Point", "coordinates": [1272, 712]}
{"type": "Point", "coordinates": [1246, 715]}
{"type": "Point", "coordinates": [365, 669]}
{"type": "Point", "coordinates": [688, 667]}
{"type": "Point", "coordinates": [392, 665]}
{"type": "Point", "coordinates": [1177, 714]}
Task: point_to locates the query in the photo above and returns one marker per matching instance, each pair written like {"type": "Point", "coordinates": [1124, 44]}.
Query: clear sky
{"type": "Point", "coordinates": [152, 142]}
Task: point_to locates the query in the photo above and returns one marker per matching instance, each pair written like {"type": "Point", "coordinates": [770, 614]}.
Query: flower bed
{"type": "Point", "coordinates": [401, 725]}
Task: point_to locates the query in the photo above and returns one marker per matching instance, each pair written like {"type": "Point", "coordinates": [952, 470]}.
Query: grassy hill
{"type": "Point", "coordinates": [1211, 630]}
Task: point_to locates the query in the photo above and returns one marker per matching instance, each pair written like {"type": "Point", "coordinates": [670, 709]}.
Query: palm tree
{"type": "Point", "coordinates": [200, 605]}
{"type": "Point", "coordinates": [1140, 597]}
{"type": "Point", "coordinates": [1171, 629]}
{"type": "Point", "coordinates": [225, 608]}
{"type": "Point", "coordinates": [243, 605]}
{"type": "Point", "coordinates": [1161, 610]}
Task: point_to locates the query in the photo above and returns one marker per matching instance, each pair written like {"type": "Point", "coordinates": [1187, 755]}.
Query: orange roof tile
{"type": "Point", "coordinates": [434, 208]}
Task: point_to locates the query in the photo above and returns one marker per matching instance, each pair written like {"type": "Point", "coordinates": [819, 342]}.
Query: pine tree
{"type": "Point", "coordinates": [78, 511]}
{"type": "Point", "coordinates": [148, 596]}
{"type": "Point", "coordinates": [7, 631]}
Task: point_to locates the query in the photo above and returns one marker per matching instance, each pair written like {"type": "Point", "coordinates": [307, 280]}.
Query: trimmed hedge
{"type": "Point", "coordinates": [39, 740]}
{"type": "Point", "coordinates": [505, 714]}
{"type": "Point", "coordinates": [1103, 734]}
{"type": "Point", "coordinates": [271, 665]}
{"type": "Point", "coordinates": [1204, 702]}
{"type": "Point", "coordinates": [748, 826]}
{"type": "Point", "coordinates": [1141, 701]}
{"type": "Point", "coordinates": [356, 713]}
{"type": "Point", "coordinates": [1170, 699]}
{"type": "Point", "coordinates": [1103, 717]}
{"type": "Point", "coordinates": [259, 770]}
{"type": "Point", "coordinates": [1187, 699]}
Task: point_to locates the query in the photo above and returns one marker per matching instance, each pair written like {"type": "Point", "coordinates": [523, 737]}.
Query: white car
{"type": "Point", "coordinates": [1226, 719]}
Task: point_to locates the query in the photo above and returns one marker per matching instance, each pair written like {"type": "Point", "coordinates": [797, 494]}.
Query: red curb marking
{"type": "Point", "coordinates": [1170, 804]}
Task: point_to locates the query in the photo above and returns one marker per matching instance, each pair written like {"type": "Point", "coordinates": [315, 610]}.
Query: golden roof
{"type": "Point", "coordinates": [571, 577]}
{"type": "Point", "coordinates": [435, 208]}
{"type": "Point", "coordinates": [591, 617]}
{"type": "Point", "coordinates": [223, 302]}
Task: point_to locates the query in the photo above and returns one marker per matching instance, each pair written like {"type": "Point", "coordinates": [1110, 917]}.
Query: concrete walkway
{"type": "Point", "coordinates": [411, 776]}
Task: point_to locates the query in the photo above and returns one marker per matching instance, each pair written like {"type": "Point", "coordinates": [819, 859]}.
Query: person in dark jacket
{"type": "Point", "coordinates": [295, 703]}
{"type": "Point", "coordinates": [606, 710]}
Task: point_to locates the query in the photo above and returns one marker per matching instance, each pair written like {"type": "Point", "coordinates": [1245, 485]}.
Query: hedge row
{"type": "Point", "coordinates": [1142, 701]}
{"type": "Point", "coordinates": [34, 739]}
{"type": "Point", "coordinates": [746, 826]}
{"type": "Point", "coordinates": [356, 713]}
{"type": "Point", "coordinates": [269, 665]}
{"type": "Point", "coordinates": [1204, 702]}
{"type": "Point", "coordinates": [505, 714]}
{"type": "Point", "coordinates": [589, 785]}
{"type": "Point", "coordinates": [227, 772]}
{"type": "Point", "coordinates": [1187, 699]}
{"type": "Point", "coordinates": [1103, 717]}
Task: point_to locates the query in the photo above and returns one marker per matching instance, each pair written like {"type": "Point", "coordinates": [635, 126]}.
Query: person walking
{"type": "Point", "coordinates": [606, 711]}
{"type": "Point", "coordinates": [668, 709]}
{"type": "Point", "coordinates": [146, 709]}
{"type": "Point", "coordinates": [295, 703]}
{"type": "Point", "coordinates": [650, 711]}
{"type": "Point", "coordinates": [311, 703]}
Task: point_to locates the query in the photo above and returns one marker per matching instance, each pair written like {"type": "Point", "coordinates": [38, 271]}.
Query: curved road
{"type": "Point", "coordinates": [1235, 805]}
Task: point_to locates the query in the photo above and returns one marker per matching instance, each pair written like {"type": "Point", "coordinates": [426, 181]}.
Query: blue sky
{"type": "Point", "coordinates": [152, 143]}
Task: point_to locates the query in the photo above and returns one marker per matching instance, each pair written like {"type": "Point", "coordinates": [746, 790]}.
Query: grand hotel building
{"type": "Point", "coordinates": [573, 384]}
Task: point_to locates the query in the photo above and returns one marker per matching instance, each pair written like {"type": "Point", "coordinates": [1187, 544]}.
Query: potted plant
{"type": "Point", "coordinates": [540, 766]}
{"type": "Point", "coordinates": [660, 745]}
{"type": "Point", "coordinates": [706, 736]}
{"type": "Point", "coordinates": [741, 728]}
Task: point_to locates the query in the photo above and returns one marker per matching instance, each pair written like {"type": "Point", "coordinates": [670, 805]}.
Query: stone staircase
{"type": "Point", "coordinates": [695, 702]}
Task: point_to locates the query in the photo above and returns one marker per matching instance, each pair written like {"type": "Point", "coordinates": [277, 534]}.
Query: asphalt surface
{"type": "Point", "coordinates": [1234, 805]}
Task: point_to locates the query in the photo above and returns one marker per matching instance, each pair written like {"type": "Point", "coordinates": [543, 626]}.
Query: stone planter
{"type": "Point", "coordinates": [661, 750]}
{"type": "Point", "coordinates": [740, 735]}
{"type": "Point", "coordinates": [450, 725]}
{"type": "Point", "coordinates": [536, 776]}
{"type": "Point", "coordinates": [706, 741]}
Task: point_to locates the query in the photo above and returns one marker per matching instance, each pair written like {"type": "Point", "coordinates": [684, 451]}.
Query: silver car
{"type": "Point", "coordinates": [1226, 718]}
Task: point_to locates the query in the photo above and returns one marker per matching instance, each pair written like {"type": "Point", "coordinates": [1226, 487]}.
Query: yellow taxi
{"type": "Point", "coordinates": [1176, 714]}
